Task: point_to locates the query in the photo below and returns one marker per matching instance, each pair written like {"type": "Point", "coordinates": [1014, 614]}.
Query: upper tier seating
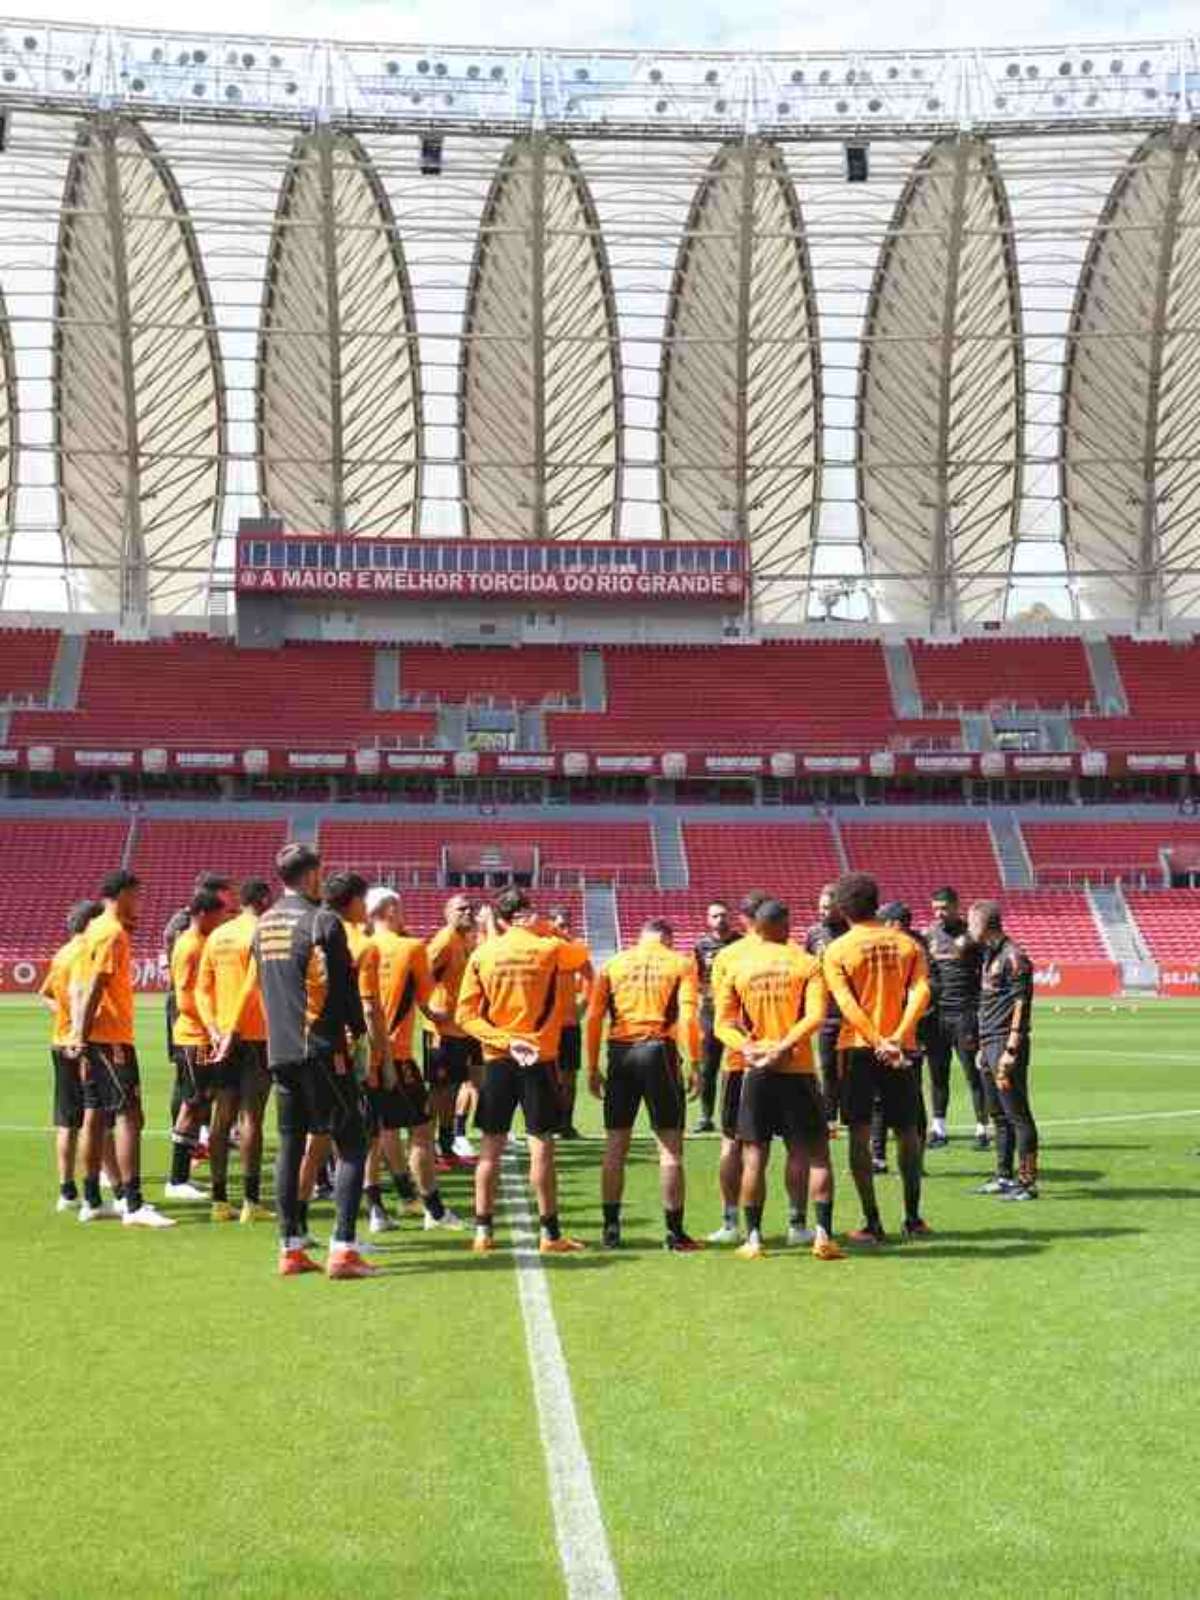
{"type": "Point", "coordinates": [527, 676]}
{"type": "Point", "coordinates": [978, 673]}
{"type": "Point", "coordinates": [26, 663]}
{"type": "Point", "coordinates": [1099, 852]}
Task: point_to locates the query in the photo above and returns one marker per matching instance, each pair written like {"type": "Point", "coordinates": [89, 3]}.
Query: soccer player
{"type": "Point", "coordinates": [879, 979]}
{"type": "Point", "coordinates": [396, 1091]}
{"type": "Point", "coordinates": [769, 1006]}
{"type": "Point", "coordinates": [313, 1014]}
{"type": "Point", "coordinates": [897, 915]}
{"type": "Point", "coordinates": [102, 1027]}
{"type": "Point", "coordinates": [216, 883]}
{"type": "Point", "coordinates": [830, 925]}
{"type": "Point", "coordinates": [573, 988]}
{"type": "Point", "coordinates": [454, 1059]}
{"type": "Point", "coordinates": [648, 995]}
{"type": "Point", "coordinates": [508, 1001]}
{"type": "Point", "coordinates": [1005, 1014]}
{"type": "Point", "coordinates": [230, 1006]}
{"type": "Point", "coordinates": [729, 1170]}
{"type": "Point", "coordinates": [955, 961]}
{"type": "Point", "coordinates": [205, 1094]}
{"type": "Point", "coordinates": [718, 933]}
{"type": "Point", "coordinates": [68, 1096]}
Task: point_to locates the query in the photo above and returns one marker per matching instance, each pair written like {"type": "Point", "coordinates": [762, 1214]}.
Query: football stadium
{"type": "Point", "coordinates": [571, 620]}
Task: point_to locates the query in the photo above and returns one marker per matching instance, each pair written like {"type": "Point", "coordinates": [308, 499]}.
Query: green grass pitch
{"type": "Point", "coordinates": [1009, 1408]}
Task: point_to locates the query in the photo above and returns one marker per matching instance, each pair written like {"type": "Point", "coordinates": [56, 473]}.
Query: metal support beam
{"type": "Point", "coordinates": [537, 329]}
{"type": "Point", "coordinates": [942, 589]}
{"type": "Point", "coordinates": [333, 331]}
{"type": "Point", "coordinates": [741, 431]}
{"type": "Point", "coordinates": [1149, 582]}
{"type": "Point", "coordinates": [134, 584]}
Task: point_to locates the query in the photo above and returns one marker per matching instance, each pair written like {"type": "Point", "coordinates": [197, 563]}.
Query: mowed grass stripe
{"type": "Point", "coordinates": [180, 1422]}
{"type": "Point", "coordinates": [1009, 1405]}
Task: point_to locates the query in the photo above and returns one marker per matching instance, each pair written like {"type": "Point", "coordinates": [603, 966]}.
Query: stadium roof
{"type": "Point", "coordinates": [568, 295]}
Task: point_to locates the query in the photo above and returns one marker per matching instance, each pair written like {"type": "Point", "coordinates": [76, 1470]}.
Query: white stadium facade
{"type": "Point", "coordinates": [920, 332]}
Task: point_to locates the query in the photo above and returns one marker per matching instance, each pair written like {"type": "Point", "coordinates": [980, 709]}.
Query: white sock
{"type": "Point", "coordinates": [980, 1129]}
{"type": "Point", "coordinates": [939, 1126]}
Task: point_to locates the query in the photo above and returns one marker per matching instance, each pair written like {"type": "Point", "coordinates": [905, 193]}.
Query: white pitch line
{"type": "Point", "coordinates": [583, 1550]}
{"type": "Point", "coordinates": [1088, 1122]}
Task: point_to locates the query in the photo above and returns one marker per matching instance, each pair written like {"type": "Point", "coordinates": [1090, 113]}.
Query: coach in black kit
{"type": "Point", "coordinates": [955, 962]}
{"type": "Point", "coordinates": [718, 933]}
{"type": "Point", "coordinates": [1005, 1011]}
{"type": "Point", "coordinates": [314, 1014]}
{"type": "Point", "coordinates": [830, 926]}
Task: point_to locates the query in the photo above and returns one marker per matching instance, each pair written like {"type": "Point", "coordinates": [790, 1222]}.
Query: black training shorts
{"type": "Point", "coordinates": [731, 1100]}
{"type": "Point", "coordinates": [202, 1079]}
{"type": "Point", "coordinates": [647, 1069]}
{"type": "Point", "coordinates": [248, 1071]}
{"type": "Point", "coordinates": [111, 1080]}
{"type": "Point", "coordinates": [68, 1090]}
{"type": "Point", "coordinates": [506, 1086]}
{"type": "Point", "coordinates": [785, 1103]}
{"type": "Point", "coordinates": [310, 1097]}
{"type": "Point", "coordinates": [865, 1078]}
{"type": "Point", "coordinates": [570, 1050]}
{"type": "Point", "coordinates": [990, 1051]}
{"type": "Point", "coordinates": [404, 1106]}
{"type": "Point", "coordinates": [448, 1061]}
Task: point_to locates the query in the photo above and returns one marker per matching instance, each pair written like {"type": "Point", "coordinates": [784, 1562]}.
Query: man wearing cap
{"type": "Point", "coordinates": [314, 1014]}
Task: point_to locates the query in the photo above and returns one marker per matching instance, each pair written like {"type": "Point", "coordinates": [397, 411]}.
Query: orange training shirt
{"type": "Point", "coordinates": [880, 980]}
{"type": "Point", "coordinates": [647, 992]}
{"type": "Point", "coordinates": [510, 991]}
{"type": "Point", "coordinates": [448, 952]}
{"type": "Point", "coordinates": [227, 993]}
{"type": "Point", "coordinates": [405, 982]}
{"type": "Point", "coordinates": [774, 994]}
{"type": "Point", "coordinates": [56, 986]}
{"type": "Point", "coordinates": [107, 950]}
{"type": "Point", "coordinates": [186, 955]}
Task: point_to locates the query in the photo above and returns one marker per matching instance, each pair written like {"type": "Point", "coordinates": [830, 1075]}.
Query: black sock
{"type": "Point", "coordinates": [460, 1125]}
{"type": "Point", "coordinates": [220, 1191]}
{"type": "Point", "coordinates": [405, 1187]}
{"type": "Point", "coordinates": [872, 1218]}
{"type": "Point", "coordinates": [302, 1216]}
{"type": "Point", "coordinates": [753, 1219]}
{"type": "Point", "coordinates": [133, 1195]}
{"type": "Point", "coordinates": [118, 1190]}
{"type": "Point", "coordinates": [483, 1219]}
{"type": "Point", "coordinates": [796, 1216]}
{"type": "Point", "coordinates": [434, 1204]}
{"type": "Point", "coordinates": [911, 1179]}
{"type": "Point", "coordinates": [251, 1189]}
{"type": "Point", "coordinates": [91, 1191]}
{"type": "Point", "coordinates": [68, 1190]}
{"type": "Point", "coordinates": [374, 1196]}
{"type": "Point", "coordinates": [549, 1225]}
{"type": "Point", "coordinates": [181, 1159]}
{"type": "Point", "coordinates": [446, 1139]}
{"type": "Point", "coordinates": [612, 1213]}
{"type": "Point", "coordinates": [824, 1210]}
{"type": "Point", "coordinates": [674, 1222]}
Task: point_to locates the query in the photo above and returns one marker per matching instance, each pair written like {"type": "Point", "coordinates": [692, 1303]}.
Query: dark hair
{"type": "Point", "coordinates": [204, 902]}
{"type": "Point", "coordinates": [946, 896]}
{"type": "Point", "coordinates": [772, 914]}
{"type": "Point", "coordinates": [856, 895]}
{"type": "Point", "coordinates": [510, 903]}
{"type": "Point", "coordinates": [216, 881]}
{"type": "Point", "coordinates": [116, 882]}
{"type": "Point", "coordinates": [342, 887]}
{"type": "Point", "coordinates": [295, 861]}
{"type": "Point", "coordinates": [81, 913]}
{"type": "Point", "coordinates": [896, 911]}
{"type": "Point", "coordinates": [255, 892]}
{"type": "Point", "coordinates": [751, 900]}
{"type": "Point", "coordinates": [989, 910]}
{"type": "Point", "coordinates": [660, 926]}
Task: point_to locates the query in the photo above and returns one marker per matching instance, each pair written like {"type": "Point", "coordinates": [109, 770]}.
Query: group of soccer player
{"type": "Point", "coordinates": [320, 993]}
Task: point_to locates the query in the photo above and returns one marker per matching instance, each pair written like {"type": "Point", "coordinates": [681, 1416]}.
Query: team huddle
{"type": "Point", "coordinates": [321, 995]}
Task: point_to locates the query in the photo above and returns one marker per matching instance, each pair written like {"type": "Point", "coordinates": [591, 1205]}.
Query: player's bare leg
{"type": "Point", "coordinates": [224, 1114]}
{"type": "Point", "coordinates": [487, 1179]}
{"type": "Point", "coordinates": [755, 1158]}
{"type": "Point", "coordinates": [612, 1182]}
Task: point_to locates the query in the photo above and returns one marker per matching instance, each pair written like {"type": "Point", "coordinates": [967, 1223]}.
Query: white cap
{"type": "Point", "coordinates": [378, 897]}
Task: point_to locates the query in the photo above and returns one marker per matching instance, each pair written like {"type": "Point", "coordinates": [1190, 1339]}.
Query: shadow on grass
{"type": "Point", "coordinates": [1044, 1235]}
{"type": "Point", "coordinates": [1127, 1192]}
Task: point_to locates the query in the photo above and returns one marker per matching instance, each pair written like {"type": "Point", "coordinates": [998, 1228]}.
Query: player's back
{"type": "Point", "coordinates": [877, 966]}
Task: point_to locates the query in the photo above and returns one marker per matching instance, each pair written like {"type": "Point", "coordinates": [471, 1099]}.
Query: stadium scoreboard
{"type": "Point", "coordinates": [319, 565]}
